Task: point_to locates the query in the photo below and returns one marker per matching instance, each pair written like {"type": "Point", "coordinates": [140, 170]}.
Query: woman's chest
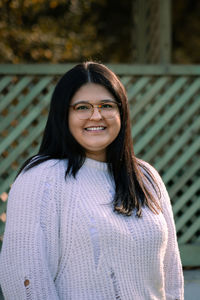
{"type": "Point", "coordinates": [93, 226]}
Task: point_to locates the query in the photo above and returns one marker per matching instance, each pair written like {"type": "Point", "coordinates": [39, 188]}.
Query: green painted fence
{"type": "Point", "coordinates": [165, 112]}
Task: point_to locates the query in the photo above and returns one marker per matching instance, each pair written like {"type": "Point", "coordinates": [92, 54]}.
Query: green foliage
{"type": "Point", "coordinates": [63, 31]}
{"type": "Point", "coordinates": [58, 31]}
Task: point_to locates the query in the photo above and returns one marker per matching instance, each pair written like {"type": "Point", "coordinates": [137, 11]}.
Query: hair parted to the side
{"type": "Point", "coordinates": [132, 192]}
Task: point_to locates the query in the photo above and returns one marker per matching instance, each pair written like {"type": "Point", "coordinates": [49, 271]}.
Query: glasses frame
{"type": "Point", "coordinates": [95, 105]}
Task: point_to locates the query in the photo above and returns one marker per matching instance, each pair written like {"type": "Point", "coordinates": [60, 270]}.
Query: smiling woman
{"type": "Point", "coordinates": [86, 218]}
{"type": "Point", "coordinates": [93, 125]}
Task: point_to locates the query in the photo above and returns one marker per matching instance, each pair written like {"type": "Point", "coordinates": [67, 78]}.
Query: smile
{"type": "Point", "coordinates": [95, 128]}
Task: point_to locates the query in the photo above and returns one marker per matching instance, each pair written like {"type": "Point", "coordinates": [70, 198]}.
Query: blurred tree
{"type": "Point", "coordinates": [59, 31]}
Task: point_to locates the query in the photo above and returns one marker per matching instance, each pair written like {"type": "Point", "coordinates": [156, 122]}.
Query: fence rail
{"type": "Point", "coordinates": [165, 112]}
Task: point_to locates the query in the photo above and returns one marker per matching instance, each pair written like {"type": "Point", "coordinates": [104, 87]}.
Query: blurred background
{"type": "Point", "coordinates": [58, 31]}
{"type": "Point", "coordinates": [154, 48]}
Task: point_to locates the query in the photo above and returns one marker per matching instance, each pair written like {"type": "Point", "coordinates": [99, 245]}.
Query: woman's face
{"type": "Point", "coordinates": [95, 133]}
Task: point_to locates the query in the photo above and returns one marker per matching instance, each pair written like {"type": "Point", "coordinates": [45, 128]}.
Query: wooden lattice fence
{"type": "Point", "coordinates": [165, 112]}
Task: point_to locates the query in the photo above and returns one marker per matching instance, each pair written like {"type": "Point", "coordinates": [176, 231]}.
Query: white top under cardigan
{"type": "Point", "coordinates": [63, 240]}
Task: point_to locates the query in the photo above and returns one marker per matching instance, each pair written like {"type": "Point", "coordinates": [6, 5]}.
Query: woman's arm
{"type": "Point", "coordinates": [27, 267]}
{"type": "Point", "coordinates": [174, 283]}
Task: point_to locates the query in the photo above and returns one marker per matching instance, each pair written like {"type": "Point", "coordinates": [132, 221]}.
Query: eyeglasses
{"type": "Point", "coordinates": [85, 110]}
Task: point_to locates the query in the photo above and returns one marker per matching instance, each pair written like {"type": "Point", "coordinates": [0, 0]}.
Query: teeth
{"type": "Point", "coordinates": [95, 128]}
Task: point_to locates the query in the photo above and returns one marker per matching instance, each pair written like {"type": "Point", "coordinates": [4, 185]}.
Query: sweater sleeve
{"type": "Point", "coordinates": [29, 256]}
{"type": "Point", "coordinates": [173, 273]}
{"type": "Point", "coordinates": [174, 283]}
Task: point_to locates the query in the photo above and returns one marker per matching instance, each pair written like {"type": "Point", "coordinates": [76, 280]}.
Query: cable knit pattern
{"type": "Point", "coordinates": [63, 240]}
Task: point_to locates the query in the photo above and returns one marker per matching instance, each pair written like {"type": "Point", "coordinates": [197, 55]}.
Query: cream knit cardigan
{"type": "Point", "coordinates": [63, 240]}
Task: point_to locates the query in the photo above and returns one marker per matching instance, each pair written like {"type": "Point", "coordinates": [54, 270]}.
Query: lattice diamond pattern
{"type": "Point", "coordinates": [165, 115]}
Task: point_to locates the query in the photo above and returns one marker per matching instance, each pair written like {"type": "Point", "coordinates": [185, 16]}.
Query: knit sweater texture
{"type": "Point", "coordinates": [64, 241]}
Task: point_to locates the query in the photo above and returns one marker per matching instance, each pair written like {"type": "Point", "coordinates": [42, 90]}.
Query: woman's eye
{"type": "Point", "coordinates": [107, 105]}
{"type": "Point", "coordinates": [82, 107]}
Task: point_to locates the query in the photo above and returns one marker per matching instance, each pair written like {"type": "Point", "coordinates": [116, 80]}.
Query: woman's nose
{"type": "Point", "coordinates": [96, 115]}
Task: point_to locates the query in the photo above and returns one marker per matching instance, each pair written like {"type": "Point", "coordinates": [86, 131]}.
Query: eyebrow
{"type": "Point", "coordinates": [101, 101]}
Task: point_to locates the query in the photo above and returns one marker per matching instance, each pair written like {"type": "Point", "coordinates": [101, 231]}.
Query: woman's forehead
{"type": "Point", "coordinates": [92, 92]}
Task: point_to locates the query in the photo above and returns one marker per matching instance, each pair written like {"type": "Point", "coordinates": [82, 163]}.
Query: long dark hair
{"type": "Point", "coordinates": [58, 143]}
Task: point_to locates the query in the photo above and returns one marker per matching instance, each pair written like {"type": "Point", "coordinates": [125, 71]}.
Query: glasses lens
{"type": "Point", "coordinates": [109, 110]}
{"type": "Point", "coordinates": [83, 110]}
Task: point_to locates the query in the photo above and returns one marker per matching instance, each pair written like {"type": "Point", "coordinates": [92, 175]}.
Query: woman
{"type": "Point", "coordinates": [86, 219]}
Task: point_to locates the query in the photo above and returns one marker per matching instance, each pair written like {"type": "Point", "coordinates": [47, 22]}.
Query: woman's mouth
{"type": "Point", "coordinates": [95, 128]}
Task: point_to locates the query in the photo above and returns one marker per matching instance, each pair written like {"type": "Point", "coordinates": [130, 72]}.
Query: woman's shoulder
{"type": "Point", "coordinates": [151, 174]}
{"type": "Point", "coordinates": [50, 168]}
{"type": "Point", "coordinates": [147, 167]}
{"type": "Point", "coordinates": [35, 181]}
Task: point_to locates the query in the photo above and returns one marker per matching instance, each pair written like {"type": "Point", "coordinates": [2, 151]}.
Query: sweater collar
{"type": "Point", "coordinates": [96, 164]}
